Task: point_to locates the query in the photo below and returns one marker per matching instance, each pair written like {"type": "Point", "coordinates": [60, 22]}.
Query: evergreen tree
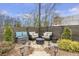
{"type": "Point", "coordinates": [8, 33]}
{"type": "Point", "coordinates": [67, 34]}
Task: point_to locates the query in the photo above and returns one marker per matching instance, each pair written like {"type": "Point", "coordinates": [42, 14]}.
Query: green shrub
{"type": "Point", "coordinates": [75, 46]}
{"type": "Point", "coordinates": [7, 45]}
{"type": "Point", "coordinates": [68, 45]}
{"type": "Point", "coordinates": [8, 33]}
{"type": "Point", "coordinates": [67, 34]}
{"type": "Point", "coordinates": [64, 44]}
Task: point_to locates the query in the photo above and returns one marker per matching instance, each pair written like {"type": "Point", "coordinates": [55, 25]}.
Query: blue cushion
{"type": "Point", "coordinates": [21, 34]}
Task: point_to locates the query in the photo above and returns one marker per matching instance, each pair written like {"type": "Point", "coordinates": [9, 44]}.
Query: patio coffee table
{"type": "Point", "coordinates": [40, 40]}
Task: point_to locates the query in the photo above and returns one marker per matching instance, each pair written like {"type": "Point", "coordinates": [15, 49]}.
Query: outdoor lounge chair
{"type": "Point", "coordinates": [22, 37]}
{"type": "Point", "coordinates": [47, 35]}
{"type": "Point", "coordinates": [33, 35]}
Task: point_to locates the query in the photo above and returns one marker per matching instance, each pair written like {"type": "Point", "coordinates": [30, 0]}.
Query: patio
{"type": "Point", "coordinates": [39, 50]}
{"type": "Point", "coordinates": [37, 35]}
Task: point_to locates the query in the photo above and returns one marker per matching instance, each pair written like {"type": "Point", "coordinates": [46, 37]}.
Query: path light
{"type": "Point", "coordinates": [55, 50]}
{"type": "Point", "coordinates": [22, 50]}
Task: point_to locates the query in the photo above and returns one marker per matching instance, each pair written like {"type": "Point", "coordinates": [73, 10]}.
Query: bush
{"type": "Point", "coordinates": [68, 45]}
{"type": "Point", "coordinates": [8, 33]}
{"type": "Point", "coordinates": [75, 46]}
{"type": "Point", "coordinates": [7, 45]}
{"type": "Point", "coordinates": [67, 34]}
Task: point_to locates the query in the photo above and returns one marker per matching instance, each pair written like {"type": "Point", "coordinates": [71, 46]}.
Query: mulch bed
{"type": "Point", "coordinates": [60, 52]}
{"type": "Point", "coordinates": [16, 52]}
{"type": "Point", "coordinates": [4, 49]}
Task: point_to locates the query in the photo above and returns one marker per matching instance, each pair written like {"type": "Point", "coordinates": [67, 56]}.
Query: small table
{"type": "Point", "coordinates": [40, 40]}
